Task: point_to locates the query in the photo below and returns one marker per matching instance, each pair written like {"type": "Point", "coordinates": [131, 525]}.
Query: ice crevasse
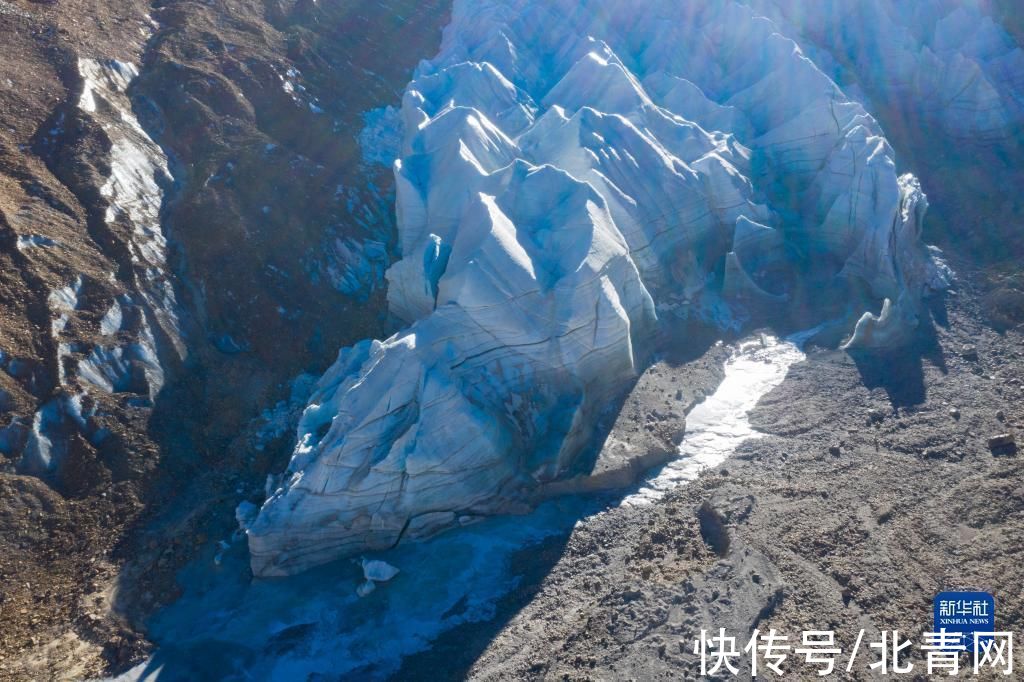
{"type": "Point", "coordinates": [570, 173]}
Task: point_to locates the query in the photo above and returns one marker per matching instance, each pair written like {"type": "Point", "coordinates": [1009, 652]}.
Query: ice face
{"type": "Point", "coordinates": [569, 172]}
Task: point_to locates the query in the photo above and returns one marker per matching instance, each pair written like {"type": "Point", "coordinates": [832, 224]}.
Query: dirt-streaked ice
{"type": "Point", "coordinates": [133, 189]}
{"type": "Point", "coordinates": [570, 174]}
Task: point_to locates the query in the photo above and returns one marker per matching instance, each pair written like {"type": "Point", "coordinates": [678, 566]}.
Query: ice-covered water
{"type": "Point", "coordinates": [228, 627]}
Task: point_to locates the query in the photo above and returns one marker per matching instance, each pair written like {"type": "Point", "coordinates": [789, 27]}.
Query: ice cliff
{"type": "Point", "coordinates": [571, 173]}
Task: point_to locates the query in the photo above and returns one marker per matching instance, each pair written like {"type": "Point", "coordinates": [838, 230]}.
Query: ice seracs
{"type": "Point", "coordinates": [568, 173]}
{"type": "Point", "coordinates": [943, 61]}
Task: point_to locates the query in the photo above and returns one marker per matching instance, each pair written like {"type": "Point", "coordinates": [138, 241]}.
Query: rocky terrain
{"type": "Point", "coordinates": [147, 284]}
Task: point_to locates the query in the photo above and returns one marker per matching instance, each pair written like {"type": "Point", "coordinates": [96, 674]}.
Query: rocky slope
{"type": "Point", "coordinates": [148, 283]}
{"type": "Point", "coordinates": [76, 319]}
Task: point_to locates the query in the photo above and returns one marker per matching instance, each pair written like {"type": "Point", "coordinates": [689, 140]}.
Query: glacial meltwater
{"type": "Point", "coordinates": [715, 427]}
{"type": "Point", "coordinates": [228, 626]}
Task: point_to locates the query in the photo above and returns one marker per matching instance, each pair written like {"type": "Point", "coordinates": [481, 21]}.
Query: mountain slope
{"type": "Point", "coordinates": [147, 284]}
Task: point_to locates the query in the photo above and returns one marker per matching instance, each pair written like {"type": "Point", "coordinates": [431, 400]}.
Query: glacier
{"type": "Point", "coordinates": [945, 62]}
{"type": "Point", "coordinates": [571, 176]}
{"type": "Point", "coordinates": [133, 191]}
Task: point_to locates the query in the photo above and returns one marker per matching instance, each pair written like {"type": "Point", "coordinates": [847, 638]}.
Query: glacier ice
{"type": "Point", "coordinates": [375, 571]}
{"type": "Point", "coordinates": [947, 61]}
{"type": "Point", "coordinates": [569, 173]}
{"type": "Point", "coordinates": [134, 195]}
{"type": "Point", "coordinates": [133, 189]}
{"type": "Point", "coordinates": [126, 355]}
{"type": "Point", "coordinates": [378, 571]}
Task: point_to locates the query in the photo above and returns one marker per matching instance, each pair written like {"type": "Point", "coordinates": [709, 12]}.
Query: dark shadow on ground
{"type": "Point", "coordinates": [900, 371]}
{"type": "Point", "coordinates": [451, 655]}
{"type": "Point", "coordinates": [687, 340]}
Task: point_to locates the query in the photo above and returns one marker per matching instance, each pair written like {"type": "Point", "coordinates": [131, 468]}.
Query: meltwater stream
{"type": "Point", "coordinates": [715, 427]}
{"type": "Point", "coordinates": [314, 626]}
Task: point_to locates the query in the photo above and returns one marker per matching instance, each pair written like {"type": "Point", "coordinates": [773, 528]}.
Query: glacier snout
{"type": "Point", "coordinates": [568, 177]}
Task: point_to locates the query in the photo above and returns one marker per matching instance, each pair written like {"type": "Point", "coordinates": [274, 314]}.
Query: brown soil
{"type": "Point", "coordinates": [87, 554]}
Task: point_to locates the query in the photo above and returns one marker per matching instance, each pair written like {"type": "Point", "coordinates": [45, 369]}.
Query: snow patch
{"type": "Point", "coordinates": [29, 241]}
{"type": "Point", "coordinates": [112, 320]}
